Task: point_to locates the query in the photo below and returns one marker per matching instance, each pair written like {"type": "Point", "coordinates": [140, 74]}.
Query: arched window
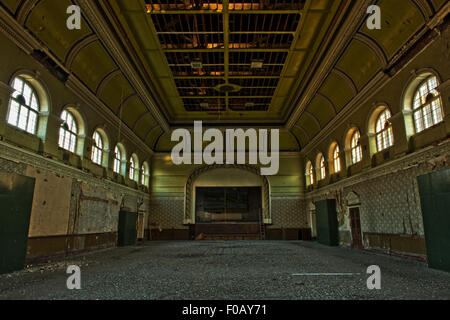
{"type": "Point", "coordinates": [355, 146]}
{"type": "Point", "coordinates": [24, 106]}
{"type": "Point", "coordinates": [427, 105]}
{"type": "Point", "coordinates": [336, 160]}
{"type": "Point", "coordinates": [117, 160]}
{"type": "Point", "coordinates": [145, 174]}
{"type": "Point", "coordinates": [134, 168]}
{"type": "Point", "coordinates": [97, 149]}
{"type": "Point", "coordinates": [323, 171]}
{"type": "Point", "coordinates": [68, 133]}
{"type": "Point", "coordinates": [383, 131]}
{"type": "Point", "coordinates": [309, 173]}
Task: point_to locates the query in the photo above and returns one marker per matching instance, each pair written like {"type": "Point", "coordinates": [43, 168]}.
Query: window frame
{"type": "Point", "coordinates": [72, 134]}
{"type": "Point", "coordinates": [322, 168]}
{"type": "Point", "coordinates": [356, 148]}
{"type": "Point", "coordinates": [97, 151]}
{"type": "Point", "coordinates": [420, 124]}
{"type": "Point", "coordinates": [384, 133]}
{"type": "Point", "coordinates": [34, 94]}
{"type": "Point", "coordinates": [337, 165]}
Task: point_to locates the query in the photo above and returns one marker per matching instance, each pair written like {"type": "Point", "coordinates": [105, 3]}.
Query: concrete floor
{"type": "Point", "coordinates": [228, 270]}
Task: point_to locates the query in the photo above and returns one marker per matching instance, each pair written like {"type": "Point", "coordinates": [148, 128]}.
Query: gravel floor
{"type": "Point", "coordinates": [201, 270]}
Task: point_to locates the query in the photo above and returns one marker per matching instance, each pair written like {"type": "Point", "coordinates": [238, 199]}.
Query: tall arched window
{"type": "Point", "coordinates": [134, 168]}
{"type": "Point", "coordinates": [68, 133]}
{"type": "Point", "coordinates": [336, 160]}
{"type": "Point", "coordinates": [97, 149]}
{"type": "Point", "coordinates": [24, 106]}
{"type": "Point", "coordinates": [117, 160]}
{"type": "Point", "coordinates": [309, 173]}
{"type": "Point", "coordinates": [323, 171]}
{"type": "Point", "coordinates": [145, 174]}
{"type": "Point", "coordinates": [355, 146]}
{"type": "Point", "coordinates": [383, 131]}
{"type": "Point", "coordinates": [427, 106]}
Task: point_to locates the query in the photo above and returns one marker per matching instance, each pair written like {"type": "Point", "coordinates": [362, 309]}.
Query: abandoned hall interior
{"type": "Point", "coordinates": [91, 93]}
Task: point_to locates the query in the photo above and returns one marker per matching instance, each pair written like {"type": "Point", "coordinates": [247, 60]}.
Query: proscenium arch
{"type": "Point", "coordinates": [189, 214]}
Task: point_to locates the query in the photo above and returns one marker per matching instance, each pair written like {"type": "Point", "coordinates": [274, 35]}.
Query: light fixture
{"type": "Point", "coordinates": [257, 64]}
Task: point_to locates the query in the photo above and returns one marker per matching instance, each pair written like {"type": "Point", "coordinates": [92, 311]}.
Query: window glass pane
{"type": "Point", "coordinates": [32, 122]}
{"type": "Point", "coordinates": [13, 113]}
{"type": "Point", "coordinates": [18, 84]}
{"type": "Point", "coordinates": [27, 94]}
{"type": "Point", "coordinates": [23, 117]}
{"type": "Point", "coordinates": [34, 103]}
{"type": "Point", "coordinates": [437, 111]}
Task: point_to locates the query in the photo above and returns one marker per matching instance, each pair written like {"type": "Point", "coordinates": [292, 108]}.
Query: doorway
{"type": "Point", "coordinates": [16, 200]}
{"type": "Point", "coordinates": [355, 225]}
{"type": "Point", "coordinates": [434, 191]}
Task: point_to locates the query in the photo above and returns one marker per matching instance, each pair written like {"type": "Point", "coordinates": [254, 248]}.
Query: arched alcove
{"type": "Point", "coordinates": [225, 176]}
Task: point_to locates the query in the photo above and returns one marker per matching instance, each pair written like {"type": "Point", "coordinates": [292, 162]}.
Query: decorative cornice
{"type": "Point", "coordinates": [106, 36]}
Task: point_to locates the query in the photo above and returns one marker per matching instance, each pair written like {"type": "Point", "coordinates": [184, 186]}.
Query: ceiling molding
{"type": "Point", "coordinates": [124, 103]}
{"type": "Point", "coordinates": [141, 117]}
{"type": "Point", "coordinates": [105, 81]}
{"type": "Point", "coordinates": [77, 48]}
{"type": "Point", "coordinates": [425, 8]}
{"type": "Point", "coordinates": [342, 39]}
{"type": "Point", "coordinates": [328, 101]}
{"type": "Point", "coordinates": [24, 11]}
{"type": "Point", "coordinates": [344, 76]}
{"type": "Point", "coordinates": [106, 36]}
{"type": "Point", "coordinates": [374, 46]}
{"type": "Point", "coordinates": [303, 130]}
{"type": "Point", "coordinates": [316, 120]}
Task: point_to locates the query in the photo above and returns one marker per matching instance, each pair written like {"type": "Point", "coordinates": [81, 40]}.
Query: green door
{"type": "Point", "coordinates": [435, 199]}
{"type": "Point", "coordinates": [327, 224]}
{"type": "Point", "coordinates": [127, 230]}
{"type": "Point", "coordinates": [16, 198]}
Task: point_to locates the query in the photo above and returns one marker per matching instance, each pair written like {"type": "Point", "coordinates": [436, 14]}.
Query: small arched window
{"type": "Point", "coordinates": [355, 146]}
{"type": "Point", "coordinates": [134, 168]}
{"type": "Point", "coordinates": [427, 106]}
{"type": "Point", "coordinates": [383, 131]}
{"type": "Point", "coordinates": [24, 106]}
{"type": "Point", "coordinates": [336, 160]}
{"type": "Point", "coordinates": [97, 149]}
{"type": "Point", "coordinates": [68, 133]}
{"type": "Point", "coordinates": [309, 174]}
{"type": "Point", "coordinates": [145, 174]}
{"type": "Point", "coordinates": [117, 160]}
{"type": "Point", "coordinates": [323, 171]}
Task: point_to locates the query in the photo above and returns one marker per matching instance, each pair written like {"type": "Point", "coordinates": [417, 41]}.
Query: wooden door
{"type": "Point", "coordinates": [355, 225]}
